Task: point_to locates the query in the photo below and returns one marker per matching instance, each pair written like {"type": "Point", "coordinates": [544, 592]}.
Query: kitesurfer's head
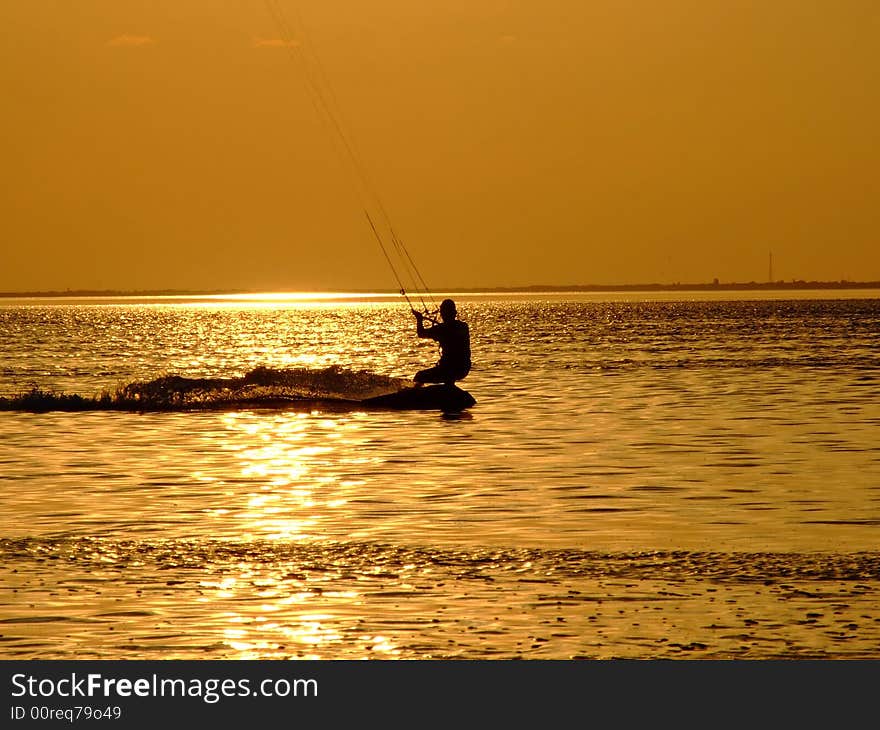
{"type": "Point", "coordinates": [447, 310]}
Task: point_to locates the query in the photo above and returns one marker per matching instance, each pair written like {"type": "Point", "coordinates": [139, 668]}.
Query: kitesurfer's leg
{"type": "Point", "coordinates": [453, 374]}
{"type": "Point", "coordinates": [440, 374]}
{"type": "Point", "coordinates": [435, 374]}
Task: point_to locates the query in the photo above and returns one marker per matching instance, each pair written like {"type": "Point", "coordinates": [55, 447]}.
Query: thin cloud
{"type": "Point", "coordinates": [132, 41]}
{"type": "Point", "coordinates": [274, 43]}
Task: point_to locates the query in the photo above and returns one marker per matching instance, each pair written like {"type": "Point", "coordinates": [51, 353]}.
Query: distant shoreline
{"type": "Point", "coordinates": [720, 286]}
{"type": "Point", "coordinates": [532, 289]}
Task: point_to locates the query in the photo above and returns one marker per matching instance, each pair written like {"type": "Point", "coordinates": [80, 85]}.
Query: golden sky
{"type": "Point", "coordinates": [177, 144]}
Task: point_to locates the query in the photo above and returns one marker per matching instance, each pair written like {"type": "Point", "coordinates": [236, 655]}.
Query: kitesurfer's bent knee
{"type": "Point", "coordinates": [441, 374]}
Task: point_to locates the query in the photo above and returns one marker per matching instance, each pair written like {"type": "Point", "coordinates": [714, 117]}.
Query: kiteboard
{"type": "Point", "coordinates": [446, 398]}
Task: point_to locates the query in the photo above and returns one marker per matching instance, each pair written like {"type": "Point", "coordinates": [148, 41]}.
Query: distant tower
{"type": "Point", "coordinates": [770, 274]}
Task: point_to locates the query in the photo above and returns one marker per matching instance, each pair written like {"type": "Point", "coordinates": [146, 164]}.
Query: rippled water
{"type": "Point", "coordinates": [705, 433]}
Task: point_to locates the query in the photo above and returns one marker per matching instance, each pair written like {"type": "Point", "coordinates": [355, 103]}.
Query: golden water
{"type": "Point", "coordinates": [638, 478]}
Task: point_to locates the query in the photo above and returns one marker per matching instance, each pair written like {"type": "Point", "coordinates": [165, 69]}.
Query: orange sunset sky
{"type": "Point", "coordinates": [152, 144]}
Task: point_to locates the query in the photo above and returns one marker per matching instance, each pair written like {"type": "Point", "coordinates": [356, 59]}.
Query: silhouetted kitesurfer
{"type": "Point", "coordinates": [454, 339]}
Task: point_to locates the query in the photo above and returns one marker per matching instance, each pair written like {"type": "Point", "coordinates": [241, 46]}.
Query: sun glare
{"type": "Point", "coordinates": [301, 297]}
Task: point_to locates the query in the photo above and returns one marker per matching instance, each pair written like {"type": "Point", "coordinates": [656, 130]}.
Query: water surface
{"type": "Point", "coordinates": [733, 441]}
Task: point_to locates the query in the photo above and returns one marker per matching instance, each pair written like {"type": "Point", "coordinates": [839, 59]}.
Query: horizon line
{"type": "Point", "coordinates": [528, 288]}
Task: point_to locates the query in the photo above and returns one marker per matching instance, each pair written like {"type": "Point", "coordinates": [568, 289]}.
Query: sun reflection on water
{"type": "Point", "coordinates": [287, 486]}
{"type": "Point", "coordinates": [291, 488]}
{"type": "Point", "coordinates": [258, 617]}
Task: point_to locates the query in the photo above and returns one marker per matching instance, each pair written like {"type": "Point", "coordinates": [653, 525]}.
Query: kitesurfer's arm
{"type": "Point", "coordinates": [420, 325]}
